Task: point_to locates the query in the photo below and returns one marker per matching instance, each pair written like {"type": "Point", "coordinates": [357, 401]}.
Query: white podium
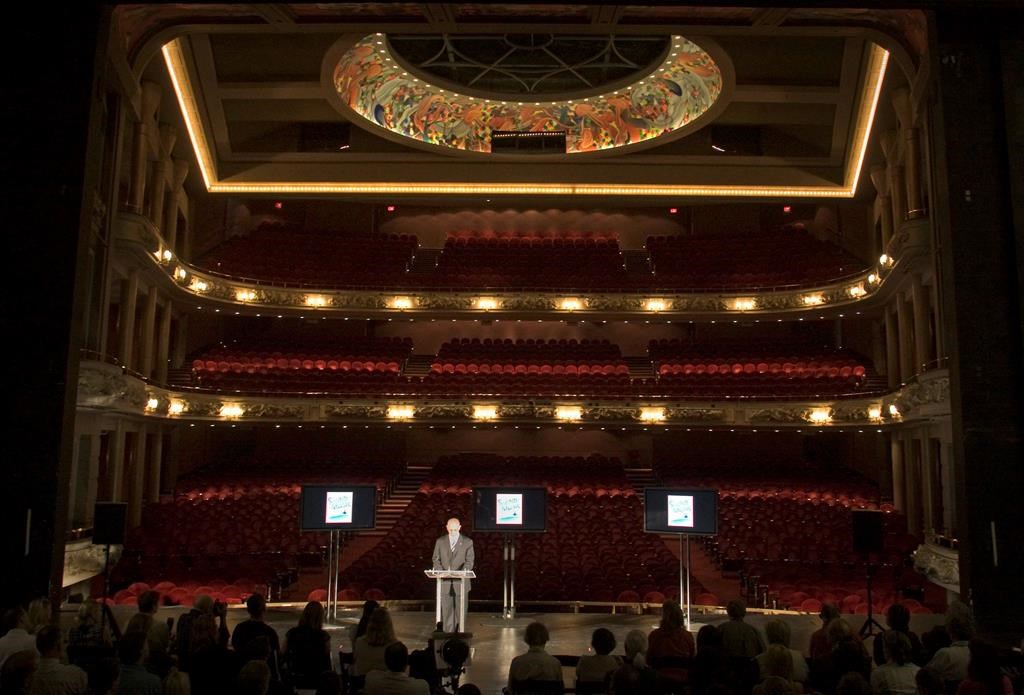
{"type": "Point", "coordinates": [461, 576]}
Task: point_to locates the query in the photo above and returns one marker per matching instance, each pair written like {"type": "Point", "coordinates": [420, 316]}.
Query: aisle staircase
{"type": "Point", "coordinates": [418, 365]}
{"type": "Point", "coordinates": [640, 367]}
{"type": "Point", "coordinates": [425, 261]}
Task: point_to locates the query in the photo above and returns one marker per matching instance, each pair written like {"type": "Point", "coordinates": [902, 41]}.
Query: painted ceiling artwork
{"type": "Point", "coordinates": [371, 83]}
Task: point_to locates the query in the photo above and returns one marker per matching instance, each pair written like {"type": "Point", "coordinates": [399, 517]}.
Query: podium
{"type": "Point", "coordinates": [461, 576]}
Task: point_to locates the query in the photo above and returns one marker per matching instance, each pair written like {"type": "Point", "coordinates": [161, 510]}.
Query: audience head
{"type": "Point", "coordinates": [828, 613]}
{"type": "Point", "coordinates": [16, 674]}
{"type": "Point", "coordinates": [935, 639]}
{"type": "Point", "coordinates": [140, 622]}
{"type": "Point", "coordinates": [929, 682]}
{"type": "Point", "coordinates": [253, 679]}
{"type": "Point", "coordinates": [897, 647]}
{"type": "Point", "coordinates": [14, 618]}
{"type": "Point", "coordinates": [838, 630]}
{"type": "Point", "coordinates": [257, 649]}
{"type": "Point", "coordinates": [453, 526]}
{"type": "Point", "coordinates": [984, 666]}
{"type": "Point", "coordinates": [177, 683]}
{"type": "Point", "coordinates": [778, 632]}
{"type": "Point", "coordinates": [897, 617]}
{"type": "Point", "coordinates": [778, 661]}
{"type": "Point", "coordinates": [312, 616]}
{"type": "Point", "coordinates": [396, 657]}
{"type": "Point", "coordinates": [89, 612]}
{"type": "Point", "coordinates": [203, 634]}
{"type": "Point", "coordinates": [775, 685]}
{"type": "Point", "coordinates": [960, 628]}
{"type": "Point", "coordinates": [468, 689]}
{"type": "Point", "coordinates": [132, 647]}
{"type": "Point", "coordinates": [104, 674]}
{"type": "Point", "coordinates": [329, 684]}
{"type": "Point", "coordinates": [149, 602]}
{"type": "Point", "coordinates": [736, 609]}
{"type": "Point", "coordinates": [203, 603]}
{"type": "Point", "coordinates": [603, 641]}
{"type": "Point", "coordinates": [672, 617]}
{"type": "Point", "coordinates": [256, 606]}
{"type": "Point", "coordinates": [635, 645]}
{"type": "Point", "coordinates": [536, 635]}
{"type": "Point", "coordinates": [961, 611]}
{"type": "Point", "coordinates": [708, 637]}
{"type": "Point", "coordinates": [39, 614]}
{"type": "Point", "coordinates": [48, 641]}
{"type": "Point", "coordinates": [625, 681]}
{"type": "Point", "coordinates": [853, 683]}
{"type": "Point", "coordinates": [368, 608]}
{"type": "Point", "coordinates": [380, 632]}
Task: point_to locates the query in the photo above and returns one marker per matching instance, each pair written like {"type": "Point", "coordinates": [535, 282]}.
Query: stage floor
{"type": "Point", "coordinates": [496, 641]}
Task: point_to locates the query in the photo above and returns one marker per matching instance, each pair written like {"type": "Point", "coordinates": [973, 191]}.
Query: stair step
{"type": "Point", "coordinates": [425, 261]}
{"type": "Point", "coordinates": [418, 365]}
{"type": "Point", "coordinates": [640, 367]}
{"type": "Point", "coordinates": [636, 261]}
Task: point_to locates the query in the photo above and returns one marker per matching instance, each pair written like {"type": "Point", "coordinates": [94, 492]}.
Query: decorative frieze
{"type": "Point", "coordinates": [940, 565]}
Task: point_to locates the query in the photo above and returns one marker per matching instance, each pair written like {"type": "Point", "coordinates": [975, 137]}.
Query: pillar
{"type": "Point", "coordinates": [897, 192]}
{"type": "Point", "coordinates": [148, 328]}
{"type": "Point", "coordinates": [899, 499]}
{"type": "Point", "coordinates": [912, 481]}
{"type": "Point", "coordinates": [922, 323]}
{"type": "Point", "coordinates": [180, 342]}
{"type": "Point", "coordinates": [115, 463]}
{"type": "Point", "coordinates": [881, 183]}
{"type": "Point", "coordinates": [892, 348]}
{"type": "Point", "coordinates": [161, 171]}
{"type": "Point", "coordinates": [910, 136]}
{"type": "Point", "coordinates": [155, 464]}
{"type": "Point", "coordinates": [947, 478]}
{"type": "Point", "coordinates": [139, 167]}
{"type": "Point", "coordinates": [126, 319]}
{"type": "Point", "coordinates": [905, 331]}
{"type": "Point", "coordinates": [163, 343]}
{"type": "Point", "coordinates": [170, 229]}
{"type": "Point", "coordinates": [927, 483]}
{"type": "Point", "coordinates": [137, 484]}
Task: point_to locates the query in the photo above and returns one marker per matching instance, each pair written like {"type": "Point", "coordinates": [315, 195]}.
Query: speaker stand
{"type": "Point", "coordinates": [870, 625]}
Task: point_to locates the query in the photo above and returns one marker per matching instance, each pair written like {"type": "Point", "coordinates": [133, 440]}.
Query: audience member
{"type": "Point", "coordinates": [87, 641]}
{"type": "Point", "coordinates": [17, 672]}
{"type": "Point", "coordinates": [134, 678]}
{"type": "Point", "coordinates": [395, 681]}
{"type": "Point", "coordinates": [847, 655]}
{"type": "Point", "coordinates": [929, 682]}
{"type": "Point", "coordinates": [159, 634]}
{"type": "Point", "coordinates": [52, 677]}
{"type": "Point", "coordinates": [596, 667]}
{"type": "Point", "coordinates": [16, 636]}
{"type": "Point", "coordinates": [157, 660]}
{"type": "Point", "coordinates": [253, 679]}
{"type": "Point", "coordinates": [39, 614]}
{"type": "Point", "coordinates": [329, 684]}
{"type": "Point", "coordinates": [639, 674]}
{"type": "Point", "coordinates": [670, 646]}
{"type": "Point", "coordinates": [778, 663]}
{"type": "Point", "coordinates": [820, 646]}
{"type": "Point", "coordinates": [853, 683]}
{"type": "Point", "coordinates": [202, 605]}
{"type": "Point", "coordinates": [710, 667]}
{"type": "Point", "coordinates": [359, 629]}
{"type": "Point", "coordinates": [468, 689]}
{"type": "Point", "coordinates": [177, 683]}
{"type": "Point", "coordinates": [951, 662]}
{"type": "Point", "coordinates": [104, 675]}
{"type": "Point", "coordinates": [627, 681]}
{"type": "Point", "coordinates": [635, 648]}
{"type": "Point", "coordinates": [897, 676]}
{"type": "Point", "coordinates": [775, 685]}
{"type": "Point", "coordinates": [778, 632]}
{"type": "Point", "coordinates": [211, 666]}
{"type": "Point", "coordinates": [739, 638]}
{"type": "Point", "coordinates": [933, 640]}
{"type": "Point", "coordinates": [984, 675]}
{"type": "Point", "coordinates": [368, 650]}
{"type": "Point", "coordinates": [897, 617]}
{"type": "Point", "coordinates": [307, 648]}
{"type": "Point", "coordinates": [536, 664]}
{"type": "Point", "coordinates": [248, 630]}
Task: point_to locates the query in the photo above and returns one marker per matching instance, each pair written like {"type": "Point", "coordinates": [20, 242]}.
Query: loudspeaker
{"type": "Point", "coordinates": [108, 523]}
{"type": "Point", "coordinates": [867, 531]}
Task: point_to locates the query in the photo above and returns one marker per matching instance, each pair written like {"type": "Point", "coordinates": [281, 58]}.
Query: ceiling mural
{"type": "Point", "coordinates": [681, 89]}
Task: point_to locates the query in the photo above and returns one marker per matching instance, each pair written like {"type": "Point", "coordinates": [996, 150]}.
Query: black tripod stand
{"type": "Point", "coordinates": [870, 625]}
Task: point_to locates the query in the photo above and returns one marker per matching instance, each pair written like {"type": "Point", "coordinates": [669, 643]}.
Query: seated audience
{"type": "Point", "coordinates": [778, 663]}
{"type": "Point", "coordinates": [847, 655]}
{"type": "Point", "coordinates": [329, 684]}
{"type": "Point", "coordinates": [929, 682]}
{"type": "Point", "coordinates": [157, 661]}
{"type": "Point", "coordinates": [134, 679]}
{"type": "Point", "coordinates": [368, 650]}
{"type": "Point", "coordinates": [639, 674]}
{"type": "Point", "coordinates": [775, 685]}
{"type": "Point", "coordinates": [177, 683]}
{"type": "Point", "coordinates": [395, 681]}
{"type": "Point", "coordinates": [853, 683]}
{"type": "Point", "coordinates": [778, 632]}
{"type": "Point", "coordinates": [951, 662]}
{"type": "Point", "coordinates": [87, 641]}
{"type": "Point", "coordinates": [897, 676]}
{"type": "Point", "coordinates": [536, 665]}
{"type": "Point", "coordinates": [307, 648]}
{"type": "Point", "coordinates": [933, 640]}
{"type": "Point", "coordinates": [820, 646]}
{"type": "Point", "coordinates": [202, 605]}
{"type": "Point", "coordinates": [17, 672]}
{"type": "Point", "coordinates": [468, 689]}
{"type": "Point", "coordinates": [897, 617]}
{"type": "Point", "coordinates": [359, 629]}
{"type": "Point", "coordinates": [52, 677]}
{"type": "Point", "coordinates": [670, 646]}
{"type": "Point", "coordinates": [211, 665]}
{"type": "Point", "coordinates": [984, 675]}
{"type": "Point", "coordinates": [39, 614]}
{"type": "Point", "coordinates": [739, 638]}
{"type": "Point", "coordinates": [710, 667]}
{"type": "Point", "coordinates": [253, 679]}
{"type": "Point", "coordinates": [16, 637]}
{"type": "Point", "coordinates": [596, 667]}
{"type": "Point", "coordinates": [104, 676]}
{"type": "Point", "coordinates": [248, 630]}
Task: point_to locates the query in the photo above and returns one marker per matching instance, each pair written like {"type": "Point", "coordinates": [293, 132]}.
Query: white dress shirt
{"type": "Point", "coordinates": [55, 678]}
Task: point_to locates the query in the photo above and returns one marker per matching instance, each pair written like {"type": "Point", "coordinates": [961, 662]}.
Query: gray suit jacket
{"type": "Point", "coordinates": [461, 559]}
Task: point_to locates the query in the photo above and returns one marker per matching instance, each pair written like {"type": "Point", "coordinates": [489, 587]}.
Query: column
{"type": "Point", "coordinates": [912, 482]}
{"type": "Point", "coordinates": [115, 463]}
{"type": "Point", "coordinates": [92, 479]}
{"type": "Point", "coordinates": [890, 145]}
{"type": "Point", "coordinates": [909, 134]}
{"type": "Point", "coordinates": [903, 320]}
{"type": "Point", "coordinates": [138, 479]}
{"type": "Point", "coordinates": [171, 224]}
{"type": "Point", "coordinates": [163, 343]}
{"type": "Point", "coordinates": [927, 483]}
{"type": "Point", "coordinates": [168, 135]}
{"type": "Point", "coordinates": [181, 342]}
{"type": "Point", "coordinates": [933, 296]}
{"type": "Point", "coordinates": [156, 453]}
{"type": "Point", "coordinates": [892, 348]}
{"type": "Point", "coordinates": [148, 328]}
{"type": "Point", "coordinates": [877, 345]}
{"type": "Point", "coordinates": [881, 183]}
{"type": "Point", "coordinates": [899, 499]}
{"type": "Point", "coordinates": [137, 187]}
{"type": "Point", "coordinates": [126, 319]}
{"type": "Point", "coordinates": [947, 477]}
{"type": "Point", "coordinates": [922, 322]}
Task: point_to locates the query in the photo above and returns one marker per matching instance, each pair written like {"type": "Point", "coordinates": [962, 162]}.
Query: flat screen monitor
{"type": "Point", "coordinates": [338, 507]}
{"type": "Point", "coordinates": [669, 510]}
{"type": "Point", "coordinates": [510, 509]}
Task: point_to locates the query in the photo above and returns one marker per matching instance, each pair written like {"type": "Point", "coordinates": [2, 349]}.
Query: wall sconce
{"type": "Point", "coordinates": [316, 300]}
{"type": "Point", "coordinates": [744, 304]}
{"type": "Point", "coordinates": [245, 295]}
{"type": "Point", "coordinates": [652, 414]}
{"type": "Point", "coordinates": [176, 408]}
{"type": "Point", "coordinates": [401, 303]}
{"type": "Point", "coordinates": [820, 416]}
{"type": "Point", "coordinates": [198, 285]}
{"type": "Point", "coordinates": [856, 291]}
{"type": "Point", "coordinates": [812, 299]}
{"type": "Point", "coordinates": [885, 261]}
{"type": "Point", "coordinates": [401, 412]}
{"type": "Point", "coordinates": [569, 412]}
{"type": "Point", "coordinates": [487, 303]}
{"type": "Point", "coordinates": [873, 279]}
{"type": "Point", "coordinates": [231, 410]}
{"type": "Point", "coordinates": [894, 412]}
{"type": "Point", "coordinates": [655, 304]}
{"type": "Point", "coordinates": [485, 412]}
{"type": "Point", "coordinates": [875, 412]}
{"type": "Point", "coordinates": [570, 304]}
{"type": "Point", "coordinates": [180, 274]}
{"type": "Point", "coordinates": [152, 404]}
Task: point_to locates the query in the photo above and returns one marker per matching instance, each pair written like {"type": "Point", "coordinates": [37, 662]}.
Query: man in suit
{"type": "Point", "coordinates": [452, 552]}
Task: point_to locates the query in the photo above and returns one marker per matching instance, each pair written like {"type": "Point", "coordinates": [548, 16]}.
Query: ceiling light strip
{"type": "Point", "coordinates": [175, 61]}
{"type": "Point", "coordinates": [872, 90]}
